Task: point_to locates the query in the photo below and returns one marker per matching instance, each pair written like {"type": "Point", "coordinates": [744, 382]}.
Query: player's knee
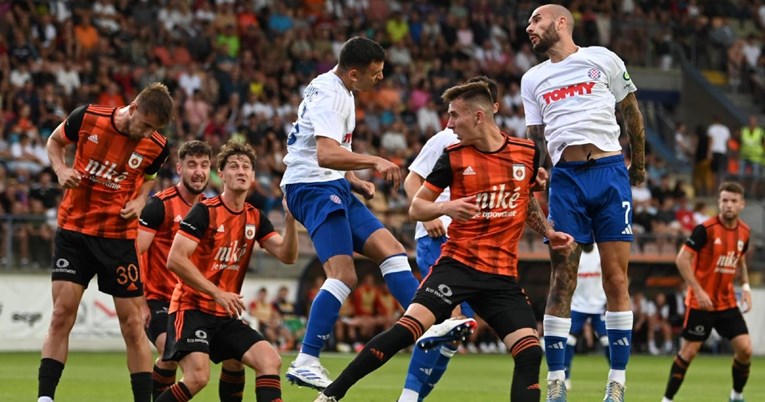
{"type": "Point", "coordinates": [529, 359]}
{"type": "Point", "coordinates": [267, 363]}
{"type": "Point", "coordinates": [63, 318]}
{"type": "Point", "coordinates": [196, 379]}
{"type": "Point", "coordinates": [744, 353]}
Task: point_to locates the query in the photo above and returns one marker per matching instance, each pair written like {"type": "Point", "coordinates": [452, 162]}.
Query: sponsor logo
{"type": "Point", "coordinates": [445, 290]}
{"type": "Point", "coordinates": [556, 345]}
{"type": "Point", "coordinates": [221, 229]}
{"type": "Point", "coordinates": [468, 171]}
{"type": "Point", "coordinates": [726, 264]}
{"type": "Point", "coordinates": [177, 218]}
{"type": "Point", "coordinates": [498, 198]}
{"type": "Point", "coordinates": [697, 330]}
{"type": "Point", "coordinates": [622, 342]}
{"type": "Point", "coordinates": [249, 231]}
{"type": "Point", "coordinates": [626, 76]}
{"type": "Point", "coordinates": [189, 226]}
{"type": "Point", "coordinates": [717, 241]}
{"type": "Point", "coordinates": [62, 266]}
{"type": "Point", "coordinates": [627, 230]}
{"type": "Point", "coordinates": [583, 88]}
{"type": "Point", "coordinates": [439, 294]}
{"type": "Point", "coordinates": [105, 173]}
{"type": "Point", "coordinates": [229, 257]}
{"type": "Point", "coordinates": [93, 138]}
{"type": "Point", "coordinates": [30, 318]}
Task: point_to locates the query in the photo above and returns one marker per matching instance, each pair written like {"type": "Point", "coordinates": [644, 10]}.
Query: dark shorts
{"type": "Point", "coordinates": [699, 323]}
{"type": "Point", "coordinates": [158, 321]}
{"type": "Point", "coordinates": [222, 338]}
{"type": "Point", "coordinates": [497, 299]}
{"type": "Point", "coordinates": [78, 258]}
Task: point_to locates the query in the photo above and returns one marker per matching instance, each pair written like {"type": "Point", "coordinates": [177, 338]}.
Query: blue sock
{"type": "Point", "coordinates": [619, 331]}
{"type": "Point", "coordinates": [569, 358]}
{"type": "Point", "coordinates": [439, 368]}
{"type": "Point", "coordinates": [556, 334]}
{"type": "Point", "coordinates": [420, 367]}
{"type": "Point", "coordinates": [399, 278]}
{"type": "Point", "coordinates": [324, 312]}
{"type": "Point", "coordinates": [467, 311]}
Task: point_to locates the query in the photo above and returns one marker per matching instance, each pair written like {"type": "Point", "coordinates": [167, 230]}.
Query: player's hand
{"type": "Point", "coordinates": [287, 212]}
{"type": "Point", "coordinates": [637, 176]}
{"type": "Point", "coordinates": [705, 302]}
{"type": "Point", "coordinates": [69, 178]}
{"type": "Point", "coordinates": [541, 181]}
{"type": "Point", "coordinates": [133, 208]}
{"type": "Point", "coordinates": [746, 301]}
{"type": "Point", "coordinates": [389, 171]}
{"type": "Point", "coordinates": [560, 241]}
{"type": "Point", "coordinates": [365, 188]}
{"type": "Point", "coordinates": [462, 209]}
{"type": "Point", "coordinates": [435, 228]}
{"type": "Point", "coordinates": [232, 302]}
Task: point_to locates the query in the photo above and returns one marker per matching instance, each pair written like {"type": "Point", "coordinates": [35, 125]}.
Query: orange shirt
{"type": "Point", "coordinates": [502, 182]}
{"type": "Point", "coordinates": [717, 251]}
{"type": "Point", "coordinates": [112, 166]}
{"type": "Point", "coordinates": [161, 216]}
{"type": "Point", "coordinates": [363, 299]}
{"type": "Point", "coordinates": [225, 241]}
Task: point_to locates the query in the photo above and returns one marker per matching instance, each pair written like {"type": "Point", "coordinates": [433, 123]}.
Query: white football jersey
{"type": "Point", "coordinates": [576, 99]}
{"type": "Point", "coordinates": [589, 296]}
{"type": "Point", "coordinates": [423, 164]}
{"type": "Point", "coordinates": [327, 110]}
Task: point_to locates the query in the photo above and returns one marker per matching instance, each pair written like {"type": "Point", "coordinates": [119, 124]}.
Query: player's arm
{"type": "Point", "coordinates": [284, 247]}
{"type": "Point", "coordinates": [742, 275]}
{"type": "Point", "coordinates": [63, 135]}
{"type": "Point", "coordinates": [537, 221]}
{"type": "Point", "coordinates": [150, 220]}
{"type": "Point", "coordinates": [331, 155]}
{"type": "Point", "coordinates": [684, 262]}
{"type": "Point", "coordinates": [536, 133]}
{"type": "Point", "coordinates": [633, 119]}
{"type": "Point", "coordinates": [363, 187]}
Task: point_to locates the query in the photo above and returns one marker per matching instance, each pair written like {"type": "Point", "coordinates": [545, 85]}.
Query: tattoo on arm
{"type": "Point", "coordinates": [635, 130]}
{"type": "Point", "coordinates": [535, 218]}
{"type": "Point", "coordinates": [537, 134]}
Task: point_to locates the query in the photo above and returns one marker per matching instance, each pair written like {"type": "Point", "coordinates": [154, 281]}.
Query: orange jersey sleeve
{"type": "Point", "coordinates": [717, 252]}
{"type": "Point", "coordinates": [112, 166]}
{"type": "Point", "coordinates": [501, 181]}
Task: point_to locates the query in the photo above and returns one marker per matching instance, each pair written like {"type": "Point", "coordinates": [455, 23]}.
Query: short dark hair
{"type": "Point", "coordinates": [232, 148]}
{"type": "Point", "coordinates": [493, 87]}
{"type": "Point", "coordinates": [732, 187]}
{"type": "Point", "coordinates": [359, 52]}
{"type": "Point", "coordinates": [194, 148]}
{"type": "Point", "coordinates": [473, 91]}
{"type": "Point", "coordinates": [156, 98]}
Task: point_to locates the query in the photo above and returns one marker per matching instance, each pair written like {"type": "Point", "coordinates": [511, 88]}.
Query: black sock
{"type": "Point", "coordinates": [48, 376]}
{"type": "Point", "coordinates": [268, 388]}
{"type": "Point", "coordinates": [161, 380]}
{"type": "Point", "coordinates": [231, 386]}
{"type": "Point", "coordinates": [528, 358]}
{"type": "Point", "coordinates": [141, 384]}
{"type": "Point", "coordinates": [378, 351]}
{"type": "Point", "coordinates": [676, 376]}
{"type": "Point", "coordinates": [740, 375]}
{"type": "Point", "coordinates": [176, 393]}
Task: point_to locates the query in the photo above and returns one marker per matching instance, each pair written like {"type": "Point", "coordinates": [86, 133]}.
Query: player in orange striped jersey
{"type": "Point", "coordinates": [491, 176]}
{"type": "Point", "coordinates": [210, 255]}
{"type": "Point", "coordinates": [158, 225]}
{"type": "Point", "coordinates": [712, 257]}
{"type": "Point", "coordinates": [118, 153]}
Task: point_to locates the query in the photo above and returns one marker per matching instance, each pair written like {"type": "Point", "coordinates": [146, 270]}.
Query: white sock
{"type": "Point", "coordinates": [664, 399]}
{"type": "Point", "coordinates": [556, 375]}
{"type": "Point", "coordinates": [736, 395]}
{"type": "Point", "coordinates": [44, 399]}
{"type": "Point", "coordinates": [407, 395]}
{"type": "Point", "coordinates": [304, 359]}
{"type": "Point", "coordinates": [619, 376]}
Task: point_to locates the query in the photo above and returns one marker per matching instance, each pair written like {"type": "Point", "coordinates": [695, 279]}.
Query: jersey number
{"type": "Point", "coordinates": [293, 134]}
{"type": "Point", "coordinates": [627, 208]}
{"type": "Point", "coordinates": [127, 274]}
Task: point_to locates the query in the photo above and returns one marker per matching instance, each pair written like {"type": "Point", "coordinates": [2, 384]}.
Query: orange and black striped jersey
{"type": "Point", "coordinates": [161, 216]}
{"type": "Point", "coordinates": [717, 252]}
{"type": "Point", "coordinates": [112, 167]}
{"type": "Point", "coordinates": [225, 241]}
{"type": "Point", "coordinates": [501, 181]}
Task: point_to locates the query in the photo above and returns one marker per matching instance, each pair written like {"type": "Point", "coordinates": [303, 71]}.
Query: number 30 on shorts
{"type": "Point", "coordinates": [128, 274]}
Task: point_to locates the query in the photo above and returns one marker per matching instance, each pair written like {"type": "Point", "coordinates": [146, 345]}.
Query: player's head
{"type": "Point", "coordinates": [150, 111]}
{"type": "Point", "coordinates": [493, 88]}
{"type": "Point", "coordinates": [194, 158]}
{"type": "Point", "coordinates": [361, 63]}
{"type": "Point", "coordinates": [547, 25]}
{"type": "Point", "coordinates": [470, 107]}
{"type": "Point", "coordinates": [731, 200]}
{"type": "Point", "coordinates": [236, 166]}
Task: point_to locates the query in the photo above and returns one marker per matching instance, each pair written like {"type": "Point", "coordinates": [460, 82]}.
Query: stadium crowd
{"type": "Point", "coordinates": [237, 68]}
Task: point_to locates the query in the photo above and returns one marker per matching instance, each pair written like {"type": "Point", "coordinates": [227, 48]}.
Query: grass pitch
{"type": "Point", "coordinates": [91, 377]}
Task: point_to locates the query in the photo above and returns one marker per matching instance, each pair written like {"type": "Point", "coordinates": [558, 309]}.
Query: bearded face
{"type": "Point", "coordinates": [543, 43]}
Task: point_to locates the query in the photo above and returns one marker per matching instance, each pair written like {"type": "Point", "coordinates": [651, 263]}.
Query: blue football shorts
{"type": "Point", "coordinates": [592, 199]}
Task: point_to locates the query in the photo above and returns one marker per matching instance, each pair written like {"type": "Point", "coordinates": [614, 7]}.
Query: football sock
{"type": "Point", "coordinates": [231, 385]}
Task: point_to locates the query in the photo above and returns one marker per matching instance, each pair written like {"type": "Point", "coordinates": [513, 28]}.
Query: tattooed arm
{"type": "Point", "coordinates": [537, 221]}
{"type": "Point", "coordinates": [537, 134]}
{"type": "Point", "coordinates": [634, 122]}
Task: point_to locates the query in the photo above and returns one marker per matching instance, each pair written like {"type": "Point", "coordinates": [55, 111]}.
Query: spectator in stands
{"type": "Point", "coordinates": [752, 154]}
{"type": "Point", "coordinates": [718, 134]}
{"type": "Point", "coordinates": [684, 143]}
{"type": "Point", "coordinates": [658, 320]}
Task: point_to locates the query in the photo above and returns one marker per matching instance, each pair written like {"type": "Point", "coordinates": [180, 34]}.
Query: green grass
{"type": "Point", "coordinates": [103, 377]}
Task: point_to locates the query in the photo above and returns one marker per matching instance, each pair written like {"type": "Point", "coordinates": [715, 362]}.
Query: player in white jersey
{"type": "Point", "coordinates": [587, 305]}
{"type": "Point", "coordinates": [569, 102]}
{"type": "Point", "coordinates": [318, 184]}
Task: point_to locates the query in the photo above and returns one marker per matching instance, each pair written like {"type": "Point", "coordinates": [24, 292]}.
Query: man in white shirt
{"type": "Point", "coordinates": [718, 134]}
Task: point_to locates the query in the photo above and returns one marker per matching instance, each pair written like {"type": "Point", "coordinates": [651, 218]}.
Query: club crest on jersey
{"type": "Point", "coordinates": [740, 245]}
{"type": "Point", "coordinates": [335, 199]}
{"type": "Point", "coordinates": [135, 161]}
{"type": "Point", "coordinates": [249, 231]}
{"type": "Point", "coordinates": [593, 73]}
{"type": "Point", "coordinates": [519, 171]}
